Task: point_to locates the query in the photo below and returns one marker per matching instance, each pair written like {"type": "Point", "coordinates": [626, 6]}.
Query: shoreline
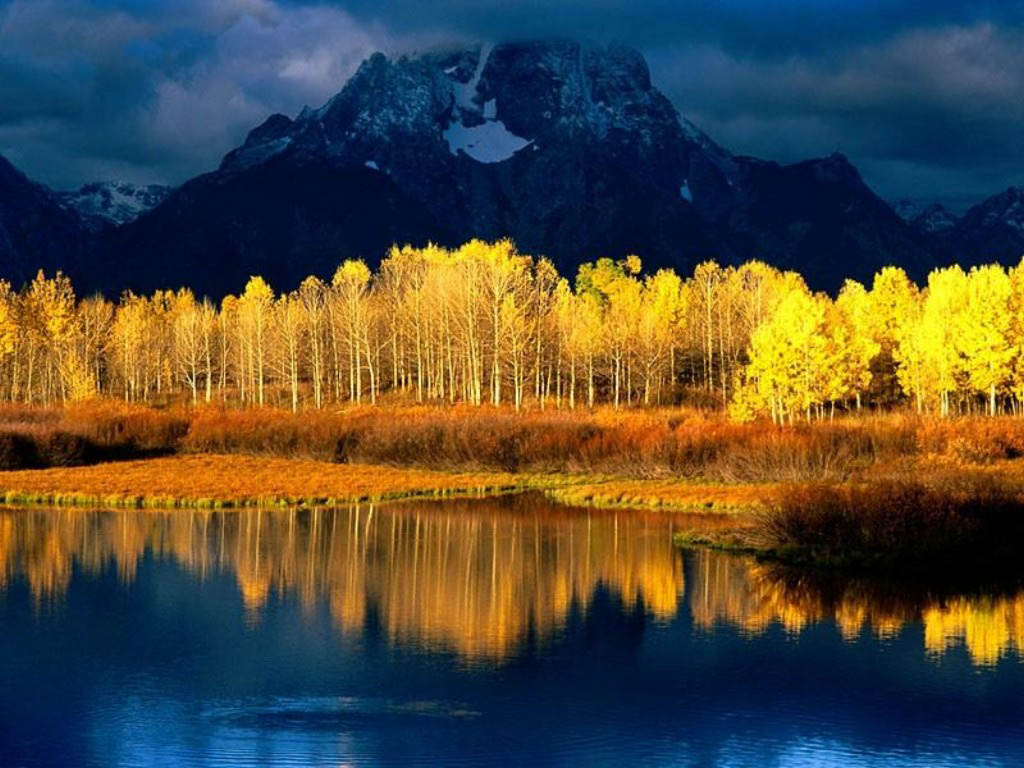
{"type": "Point", "coordinates": [223, 481]}
{"type": "Point", "coordinates": [238, 481]}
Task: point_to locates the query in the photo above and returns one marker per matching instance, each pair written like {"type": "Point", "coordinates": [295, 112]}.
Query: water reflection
{"type": "Point", "coordinates": [452, 575]}
{"type": "Point", "coordinates": [481, 580]}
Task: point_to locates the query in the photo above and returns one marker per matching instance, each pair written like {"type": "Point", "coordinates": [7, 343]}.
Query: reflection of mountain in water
{"type": "Point", "coordinates": [483, 578]}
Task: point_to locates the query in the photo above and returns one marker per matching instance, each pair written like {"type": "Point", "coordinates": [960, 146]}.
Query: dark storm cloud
{"type": "Point", "coordinates": [924, 97]}
{"type": "Point", "coordinates": [766, 27]}
{"type": "Point", "coordinates": [159, 91]}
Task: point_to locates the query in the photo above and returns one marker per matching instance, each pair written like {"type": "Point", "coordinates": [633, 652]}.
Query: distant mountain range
{"type": "Point", "coordinates": [113, 203]}
{"type": "Point", "coordinates": [567, 148]}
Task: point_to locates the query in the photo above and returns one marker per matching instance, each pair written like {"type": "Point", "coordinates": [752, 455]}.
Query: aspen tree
{"type": "Point", "coordinates": [8, 330]}
{"type": "Point", "coordinates": [788, 358]}
{"type": "Point", "coordinates": [188, 340]}
{"type": "Point", "coordinates": [704, 292]}
{"type": "Point", "coordinates": [312, 296]}
{"type": "Point", "coordinates": [893, 298]}
{"type": "Point", "coordinates": [350, 285]}
{"type": "Point", "coordinates": [95, 323]}
{"type": "Point", "coordinates": [289, 327]}
{"type": "Point", "coordinates": [983, 337]}
{"type": "Point", "coordinates": [1016, 334]}
{"type": "Point", "coordinates": [660, 305]}
{"type": "Point", "coordinates": [928, 353]}
{"type": "Point", "coordinates": [545, 279]}
{"type": "Point", "coordinates": [852, 341]}
{"type": "Point", "coordinates": [254, 316]}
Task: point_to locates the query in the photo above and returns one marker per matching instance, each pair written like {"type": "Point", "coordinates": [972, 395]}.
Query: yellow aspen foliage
{"type": "Point", "coordinates": [854, 313]}
{"type": "Point", "coordinates": [254, 313]}
{"type": "Point", "coordinates": [1016, 331]}
{"type": "Point", "coordinates": [894, 298]}
{"type": "Point", "coordinates": [928, 357]}
{"type": "Point", "coordinates": [983, 335]}
{"type": "Point", "coordinates": [8, 320]}
{"type": "Point", "coordinates": [486, 323]}
{"type": "Point", "coordinates": [786, 375]}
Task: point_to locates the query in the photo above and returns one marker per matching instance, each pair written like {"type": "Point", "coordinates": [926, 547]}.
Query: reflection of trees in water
{"type": "Point", "coordinates": [475, 578]}
{"type": "Point", "coordinates": [479, 578]}
{"type": "Point", "coordinates": [753, 596]}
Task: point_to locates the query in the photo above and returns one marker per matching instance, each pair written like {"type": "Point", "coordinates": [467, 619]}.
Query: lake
{"type": "Point", "coordinates": [506, 631]}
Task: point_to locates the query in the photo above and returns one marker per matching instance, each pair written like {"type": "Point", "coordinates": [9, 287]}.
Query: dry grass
{"type": "Point", "coordinates": [666, 494]}
{"type": "Point", "coordinates": [671, 458]}
{"type": "Point", "coordinates": [232, 480]}
{"type": "Point", "coordinates": [101, 430]}
{"type": "Point", "coordinates": [214, 480]}
{"type": "Point", "coordinates": [635, 443]}
{"type": "Point", "coordinates": [442, 437]}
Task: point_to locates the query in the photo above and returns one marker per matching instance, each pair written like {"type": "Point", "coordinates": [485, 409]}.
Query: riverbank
{"type": "Point", "coordinates": [930, 522]}
{"type": "Point", "coordinates": [224, 480]}
{"type": "Point", "coordinates": [243, 481]}
{"type": "Point", "coordinates": [884, 524]}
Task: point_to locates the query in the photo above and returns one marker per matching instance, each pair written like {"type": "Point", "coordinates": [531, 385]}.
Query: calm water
{"type": "Point", "coordinates": [506, 632]}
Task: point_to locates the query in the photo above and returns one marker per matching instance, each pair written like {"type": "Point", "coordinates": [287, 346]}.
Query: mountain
{"type": "Point", "coordinates": [569, 149]}
{"type": "Point", "coordinates": [993, 230]}
{"type": "Point", "coordinates": [105, 203]}
{"type": "Point", "coordinates": [36, 232]}
{"type": "Point", "coordinates": [818, 217]}
{"type": "Point", "coordinates": [931, 218]}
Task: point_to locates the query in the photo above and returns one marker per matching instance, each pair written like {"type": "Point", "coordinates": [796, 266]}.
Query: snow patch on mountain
{"type": "Point", "coordinates": [685, 192]}
{"type": "Point", "coordinates": [465, 93]}
{"type": "Point", "coordinates": [489, 142]}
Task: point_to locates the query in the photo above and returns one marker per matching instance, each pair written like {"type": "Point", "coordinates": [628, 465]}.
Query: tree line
{"type": "Point", "coordinates": [483, 323]}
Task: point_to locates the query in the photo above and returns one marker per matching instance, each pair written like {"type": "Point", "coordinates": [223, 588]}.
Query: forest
{"type": "Point", "coordinates": [485, 324]}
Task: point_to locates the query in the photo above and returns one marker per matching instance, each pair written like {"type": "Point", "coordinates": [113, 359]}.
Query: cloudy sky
{"type": "Point", "coordinates": [927, 98]}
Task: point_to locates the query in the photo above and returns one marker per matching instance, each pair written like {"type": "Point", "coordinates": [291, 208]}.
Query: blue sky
{"type": "Point", "coordinates": [925, 97]}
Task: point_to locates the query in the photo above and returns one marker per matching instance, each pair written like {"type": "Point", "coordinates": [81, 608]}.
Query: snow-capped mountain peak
{"type": "Point", "coordinates": [113, 202]}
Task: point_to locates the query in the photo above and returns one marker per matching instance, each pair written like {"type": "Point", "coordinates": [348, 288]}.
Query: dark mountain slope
{"type": "Point", "coordinates": [819, 218]}
{"type": "Point", "coordinates": [36, 232]}
{"type": "Point", "coordinates": [280, 219]}
{"type": "Point", "coordinates": [991, 231]}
